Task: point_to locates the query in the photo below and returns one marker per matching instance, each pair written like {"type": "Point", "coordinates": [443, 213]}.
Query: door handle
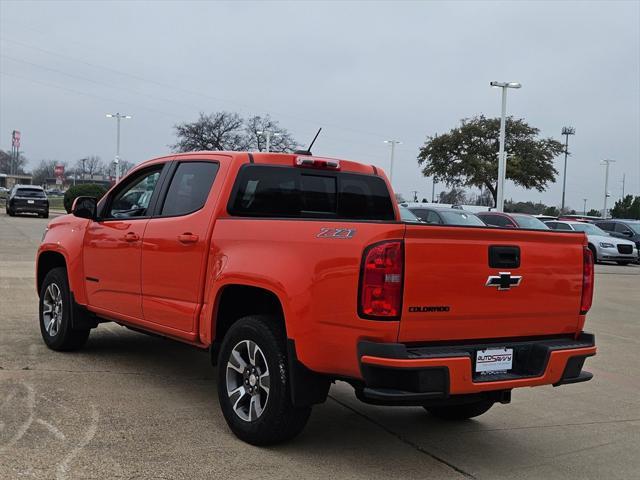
{"type": "Point", "coordinates": [131, 237]}
{"type": "Point", "coordinates": [188, 238]}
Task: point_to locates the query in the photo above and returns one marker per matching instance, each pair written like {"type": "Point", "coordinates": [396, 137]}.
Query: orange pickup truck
{"type": "Point", "coordinates": [295, 271]}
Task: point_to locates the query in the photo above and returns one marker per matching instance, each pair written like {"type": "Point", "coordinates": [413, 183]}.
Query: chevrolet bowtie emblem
{"type": "Point", "coordinates": [504, 281]}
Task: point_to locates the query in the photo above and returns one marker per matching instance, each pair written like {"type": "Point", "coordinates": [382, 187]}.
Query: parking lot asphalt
{"type": "Point", "coordinates": [139, 407]}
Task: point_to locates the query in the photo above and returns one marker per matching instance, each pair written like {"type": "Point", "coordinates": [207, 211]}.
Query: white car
{"type": "Point", "coordinates": [603, 246]}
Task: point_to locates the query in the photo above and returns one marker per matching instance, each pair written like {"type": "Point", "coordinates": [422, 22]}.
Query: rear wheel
{"type": "Point", "coordinates": [10, 212]}
{"type": "Point", "coordinates": [254, 383]}
{"type": "Point", "coordinates": [45, 214]}
{"type": "Point", "coordinates": [55, 313]}
{"type": "Point", "coordinates": [461, 412]}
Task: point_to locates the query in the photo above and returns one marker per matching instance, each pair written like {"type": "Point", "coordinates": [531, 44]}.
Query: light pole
{"type": "Point", "coordinates": [566, 131]}
{"type": "Point", "coordinates": [393, 144]}
{"type": "Point", "coordinates": [502, 160]}
{"type": "Point", "coordinates": [118, 116]}
{"type": "Point", "coordinates": [268, 134]}
{"type": "Point", "coordinates": [584, 210]}
{"type": "Point", "coordinates": [606, 185]}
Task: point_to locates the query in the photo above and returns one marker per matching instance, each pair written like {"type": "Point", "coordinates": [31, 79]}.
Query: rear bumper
{"type": "Point", "coordinates": [29, 208]}
{"type": "Point", "coordinates": [400, 374]}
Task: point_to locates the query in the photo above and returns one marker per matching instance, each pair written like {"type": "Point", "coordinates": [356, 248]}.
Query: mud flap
{"type": "Point", "coordinates": [307, 386]}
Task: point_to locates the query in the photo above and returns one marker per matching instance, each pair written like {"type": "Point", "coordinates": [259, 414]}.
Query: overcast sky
{"type": "Point", "coordinates": [364, 71]}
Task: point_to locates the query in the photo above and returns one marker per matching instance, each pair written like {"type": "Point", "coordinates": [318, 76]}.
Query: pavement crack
{"type": "Point", "coordinates": [406, 441]}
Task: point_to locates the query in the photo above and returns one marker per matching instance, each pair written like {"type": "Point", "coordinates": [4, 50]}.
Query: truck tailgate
{"type": "Point", "coordinates": [446, 296]}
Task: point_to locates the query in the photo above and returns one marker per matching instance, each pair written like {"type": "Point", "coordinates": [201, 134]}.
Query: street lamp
{"type": "Point", "coordinates": [393, 144]}
{"type": "Point", "coordinates": [118, 116]}
{"type": "Point", "coordinates": [584, 211]}
{"type": "Point", "coordinates": [566, 131]}
{"type": "Point", "coordinates": [606, 185]}
{"type": "Point", "coordinates": [502, 160]}
{"type": "Point", "coordinates": [268, 134]}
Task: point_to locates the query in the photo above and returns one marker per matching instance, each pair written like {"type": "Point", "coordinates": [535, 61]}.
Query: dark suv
{"type": "Point", "coordinates": [626, 229]}
{"type": "Point", "coordinates": [27, 199]}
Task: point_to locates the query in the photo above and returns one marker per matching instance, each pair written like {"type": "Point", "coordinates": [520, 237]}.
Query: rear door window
{"type": "Point", "coordinates": [189, 188]}
{"type": "Point", "coordinates": [433, 217]}
{"type": "Point", "coordinates": [608, 226]}
{"type": "Point", "coordinates": [497, 221]}
{"type": "Point", "coordinates": [273, 191]}
{"type": "Point", "coordinates": [563, 226]}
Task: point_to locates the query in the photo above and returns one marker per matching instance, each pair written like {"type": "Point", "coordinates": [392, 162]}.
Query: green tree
{"type": "Point", "coordinates": [593, 213]}
{"type": "Point", "coordinates": [551, 211]}
{"type": "Point", "coordinates": [468, 155]}
{"type": "Point", "coordinates": [627, 207]}
{"type": "Point", "coordinates": [83, 190]}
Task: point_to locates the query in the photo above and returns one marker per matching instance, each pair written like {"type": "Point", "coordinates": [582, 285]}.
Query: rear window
{"type": "Point", "coordinates": [525, 221]}
{"type": "Point", "coordinates": [461, 218]}
{"type": "Point", "coordinates": [30, 192]}
{"type": "Point", "coordinates": [273, 191]}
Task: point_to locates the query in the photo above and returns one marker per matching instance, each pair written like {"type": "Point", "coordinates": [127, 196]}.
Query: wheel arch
{"type": "Point", "coordinates": [237, 300]}
{"type": "Point", "coordinates": [48, 260]}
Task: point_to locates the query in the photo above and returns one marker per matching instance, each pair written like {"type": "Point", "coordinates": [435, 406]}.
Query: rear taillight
{"type": "Point", "coordinates": [587, 282]}
{"type": "Point", "coordinates": [381, 278]}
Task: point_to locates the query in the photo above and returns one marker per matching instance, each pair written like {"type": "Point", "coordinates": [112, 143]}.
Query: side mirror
{"type": "Point", "coordinates": [627, 233]}
{"type": "Point", "coordinates": [85, 207]}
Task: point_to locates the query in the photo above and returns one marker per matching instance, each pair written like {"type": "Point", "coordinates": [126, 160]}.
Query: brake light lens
{"type": "Point", "coordinates": [587, 282]}
{"type": "Point", "coordinates": [317, 162]}
{"type": "Point", "coordinates": [381, 279]}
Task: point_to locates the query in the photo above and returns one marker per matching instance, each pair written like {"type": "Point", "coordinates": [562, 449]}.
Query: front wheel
{"type": "Point", "coordinates": [594, 253]}
{"type": "Point", "coordinates": [254, 383]}
{"type": "Point", "coordinates": [55, 313]}
{"type": "Point", "coordinates": [461, 412]}
{"type": "Point", "coordinates": [623, 263]}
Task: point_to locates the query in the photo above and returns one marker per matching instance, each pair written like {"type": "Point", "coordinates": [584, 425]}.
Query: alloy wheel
{"type": "Point", "coordinates": [52, 309]}
{"type": "Point", "coordinates": [248, 381]}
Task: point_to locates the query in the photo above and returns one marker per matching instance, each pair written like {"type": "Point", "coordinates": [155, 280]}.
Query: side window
{"type": "Point", "coordinates": [189, 188]}
{"type": "Point", "coordinates": [619, 228]}
{"type": "Point", "coordinates": [607, 226]}
{"type": "Point", "coordinates": [433, 217]}
{"type": "Point", "coordinates": [498, 221]}
{"type": "Point", "coordinates": [563, 226]}
{"type": "Point", "coordinates": [133, 199]}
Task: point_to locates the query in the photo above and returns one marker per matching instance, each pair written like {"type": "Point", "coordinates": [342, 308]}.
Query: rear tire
{"type": "Point", "coordinates": [461, 412]}
{"type": "Point", "coordinates": [10, 212]}
{"type": "Point", "coordinates": [55, 313]}
{"type": "Point", "coordinates": [260, 412]}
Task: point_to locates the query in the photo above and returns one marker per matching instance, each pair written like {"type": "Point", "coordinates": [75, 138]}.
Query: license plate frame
{"type": "Point", "coordinates": [494, 360]}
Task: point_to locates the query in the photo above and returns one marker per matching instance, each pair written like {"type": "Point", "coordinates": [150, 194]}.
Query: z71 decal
{"type": "Point", "coordinates": [343, 233]}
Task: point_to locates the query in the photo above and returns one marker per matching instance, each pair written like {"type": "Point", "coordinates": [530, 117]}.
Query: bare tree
{"type": "Point", "coordinates": [91, 166]}
{"type": "Point", "coordinates": [6, 161]}
{"type": "Point", "coordinates": [280, 140]}
{"type": "Point", "coordinates": [46, 169]}
{"type": "Point", "coordinates": [218, 131]}
{"type": "Point", "coordinates": [455, 196]}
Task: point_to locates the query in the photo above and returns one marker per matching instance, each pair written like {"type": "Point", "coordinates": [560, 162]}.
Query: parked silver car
{"type": "Point", "coordinates": [603, 246]}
